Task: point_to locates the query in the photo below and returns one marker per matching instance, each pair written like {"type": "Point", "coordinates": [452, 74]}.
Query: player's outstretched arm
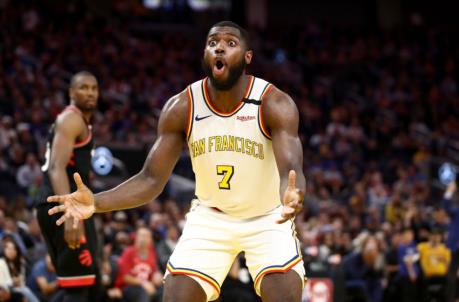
{"type": "Point", "coordinates": [281, 116]}
{"type": "Point", "coordinates": [145, 185]}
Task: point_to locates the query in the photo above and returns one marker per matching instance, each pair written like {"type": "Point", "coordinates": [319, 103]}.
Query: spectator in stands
{"type": "Point", "coordinates": [12, 267]}
{"type": "Point", "coordinates": [364, 270]}
{"type": "Point", "coordinates": [452, 242]}
{"type": "Point", "coordinates": [166, 246]}
{"type": "Point", "coordinates": [109, 271]}
{"type": "Point", "coordinates": [116, 232]}
{"type": "Point", "coordinates": [43, 280]}
{"type": "Point", "coordinates": [408, 274]}
{"type": "Point", "coordinates": [392, 267]}
{"type": "Point", "coordinates": [7, 133]}
{"type": "Point", "coordinates": [138, 275]}
{"type": "Point", "coordinates": [435, 259]}
{"type": "Point", "coordinates": [2, 222]}
{"type": "Point", "coordinates": [28, 172]}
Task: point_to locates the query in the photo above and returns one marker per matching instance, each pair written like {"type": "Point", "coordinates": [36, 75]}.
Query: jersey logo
{"type": "Point", "coordinates": [245, 118]}
{"type": "Point", "coordinates": [251, 101]}
{"type": "Point", "coordinates": [197, 118]}
{"type": "Point", "coordinates": [85, 258]}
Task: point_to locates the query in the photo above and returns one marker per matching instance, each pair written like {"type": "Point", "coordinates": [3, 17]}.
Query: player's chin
{"type": "Point", "coordinates": [220, 77]}
{"type": "Point", "coordinates": [91, 106]}
{"type": "Point", "coordinates": [221, 81]}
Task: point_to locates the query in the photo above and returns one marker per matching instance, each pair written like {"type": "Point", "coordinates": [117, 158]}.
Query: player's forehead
{"type": "Point", "coordinates": [220, 31]}
{"type": "Point", "coordinates": [81, 80]}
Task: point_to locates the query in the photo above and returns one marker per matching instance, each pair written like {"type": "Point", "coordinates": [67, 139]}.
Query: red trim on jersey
{"type": "Point", "coordinates": [217, 209]}
{"type": "Point", "coordinates": [74, 109]}
{"type": "Point", "coordinates": [72, 159]}
{"type": "Point", "coordinates": [262, 123]}
{"type": "Point", "coordinates": [76, 281]}
{"type": "Point", "coordinates": [213, 108]}
{"type": "Point", "coordinates": [85, 141]}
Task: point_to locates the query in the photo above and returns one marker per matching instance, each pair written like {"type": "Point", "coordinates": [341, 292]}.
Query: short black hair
{"type": "Point", "coordinates": [242, 31]}
{"type": "Point", "coordinates": [436, 229]}
{"type": "Point", "coordinates": [82, 73]}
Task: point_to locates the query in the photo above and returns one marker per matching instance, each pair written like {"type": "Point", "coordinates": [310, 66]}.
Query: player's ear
{"type": "Point", "coordinates": [248, 56]}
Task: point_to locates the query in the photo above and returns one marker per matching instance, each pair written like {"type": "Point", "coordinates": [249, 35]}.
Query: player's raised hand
{"type": "Point", "coordinates": [77, 205]}
{"type": "Point", "coordinates": [451, 188]}
{"type": "Point", "coordinates": [292, 199]}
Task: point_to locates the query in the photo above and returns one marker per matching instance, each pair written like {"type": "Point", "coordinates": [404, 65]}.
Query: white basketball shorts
{"type": "Point", "coordinates": [211, 240]}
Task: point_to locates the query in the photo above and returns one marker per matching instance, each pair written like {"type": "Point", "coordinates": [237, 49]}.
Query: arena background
{"type": "Point", "coordinates": [376, 85]}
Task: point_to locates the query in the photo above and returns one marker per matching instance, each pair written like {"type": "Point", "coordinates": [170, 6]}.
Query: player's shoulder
{"type": "Point", "coordinates": [276, 96]}
{"type": "Point", "coordinates": [70, 119]}
{"type": "Point", "coordinates": [177, 106]}
{"type": "Point", "coordinates": [177, 103]}
{"type": "Point", "coordinates": [175, 112]}
{"type": "Point", "coordinates": [279, 109]}
{"type": "Point", "coordinates": [277, 102]}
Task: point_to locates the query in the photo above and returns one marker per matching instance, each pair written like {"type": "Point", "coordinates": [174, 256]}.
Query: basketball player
{"type": "Point", "coordinates": [72, 250]}
{"type": "Point", "coordinates": [242, 134]}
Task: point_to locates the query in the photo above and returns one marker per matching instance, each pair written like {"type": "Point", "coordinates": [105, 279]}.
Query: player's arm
{"type": "Point", "coordinates": [150, 181]}
{"type": "Point", "coordinates": [68, 128]}
{"type": "Point", "coordinates": [281, 117]}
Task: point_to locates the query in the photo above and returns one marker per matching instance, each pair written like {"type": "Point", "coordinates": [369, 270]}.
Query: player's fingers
{"type": "Point", "coordinates": [79, 183]}
{"type": "Point", "coordinates": [63, 218]}
{"type": "Point", "coordinates": [288, 211]}
{"type": "Point", "coordinates": [56, 198]}
{"type": "Point", "coordinates": [291, 179]}
{"type": "Point", "coordinates": [281, 220]}
{"type": "Point", "coordinates": [71, 244]}
{"type": "Point", "coordinates": [300, 194]}
{"type": "Point", "coordinates": [57, 209]}
{"type": "Point", "coordinates": [75, 223]}
{"type": "Point", "coordinates": [76, 241]}
{"type": "Point", "coordinates": [297, 205]}
{"type": "Point", "coordinates": [293, 203]}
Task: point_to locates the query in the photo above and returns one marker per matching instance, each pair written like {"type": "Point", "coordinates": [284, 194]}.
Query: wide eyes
{"type": "Point", "coordinates": [213, 43]}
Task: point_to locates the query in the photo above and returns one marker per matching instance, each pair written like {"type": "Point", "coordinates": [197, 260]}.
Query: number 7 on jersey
{"type": "Point", "coordinates": [227, 172]}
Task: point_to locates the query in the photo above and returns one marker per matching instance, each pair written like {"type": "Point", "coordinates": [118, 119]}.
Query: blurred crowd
{"type": "Point", "coordinates": [376, 109]}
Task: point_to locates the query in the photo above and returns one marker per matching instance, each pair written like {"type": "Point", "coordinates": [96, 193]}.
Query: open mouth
{"type": "Point", "coordinates": [219, 67]}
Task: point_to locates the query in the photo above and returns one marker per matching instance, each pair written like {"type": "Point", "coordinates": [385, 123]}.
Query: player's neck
{"type": "Point", "coordinates": [227, 100]}
{"type": "Point", "coordinates": [85, 114]}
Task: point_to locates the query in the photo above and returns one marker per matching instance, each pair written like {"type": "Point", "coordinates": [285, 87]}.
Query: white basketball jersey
{"type": "Point", "coordinates": [232, 154]}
